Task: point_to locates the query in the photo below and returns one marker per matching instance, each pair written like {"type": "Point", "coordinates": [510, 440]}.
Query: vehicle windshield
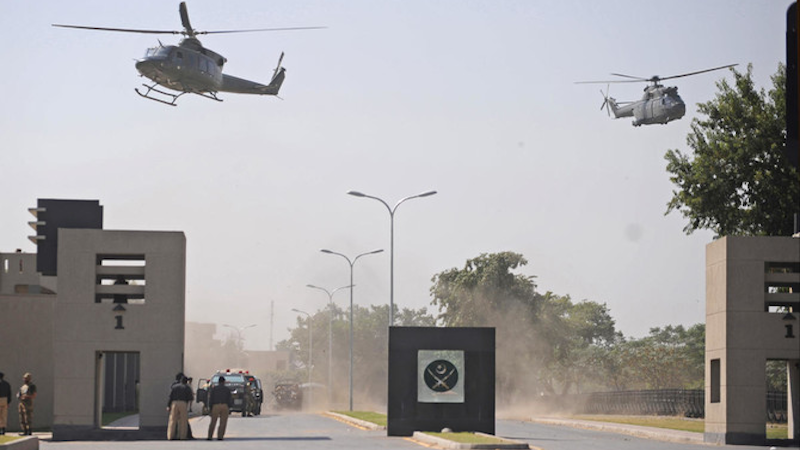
{"type": "Point", "coordinates": [229, 378]}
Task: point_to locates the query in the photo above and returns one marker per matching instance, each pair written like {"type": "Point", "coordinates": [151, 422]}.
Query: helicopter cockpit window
{"type": "Point", "coordinates": [156, 51]}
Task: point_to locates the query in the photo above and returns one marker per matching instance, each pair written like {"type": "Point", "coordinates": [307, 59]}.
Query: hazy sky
{"type": "Point", "coordinates": [474, 99]}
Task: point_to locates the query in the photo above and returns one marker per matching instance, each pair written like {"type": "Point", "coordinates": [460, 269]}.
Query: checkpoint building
{"type": "Point", "coordinates": [752, 316]}
{"type": "Point", "coordinates": [97, 316]}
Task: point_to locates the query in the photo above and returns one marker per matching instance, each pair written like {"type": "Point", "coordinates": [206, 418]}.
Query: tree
{"type": "Point", "coordinates": [738, 181]}
{"type": "Point", "coordinates": [487, 293]}
{"type": "Point", "coordinates": [370, 358]}
{"type": "Point", "coordinates": [577, 340]}
{"type": "Point", "coordinates": [484, 291]}
{"type": "Point", "coordinates": [672, 357]}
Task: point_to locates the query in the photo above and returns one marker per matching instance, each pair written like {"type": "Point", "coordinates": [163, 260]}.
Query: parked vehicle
{"type": "Point", "coordinates": [237, 381]}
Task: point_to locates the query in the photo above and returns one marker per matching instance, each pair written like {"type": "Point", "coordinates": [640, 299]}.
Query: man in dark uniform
{"type": "Point", "coordinates": [179, 398]}
{"type": "Point", "coordinates": [26, 394]}
{"type": "Point", "coordinates": [220, 402]}
{"type": "Point", "coordinates": [5, 400]}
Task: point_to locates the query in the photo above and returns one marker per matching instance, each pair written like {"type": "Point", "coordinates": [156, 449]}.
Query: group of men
{"type": "Point", "coordinates": [25, 395]}
{"type": "Point", "coordinates": [220, 401]}
{"type": "Point", "coordinates": [181, 395]}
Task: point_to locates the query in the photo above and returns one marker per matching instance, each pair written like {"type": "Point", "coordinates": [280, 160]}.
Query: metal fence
{"type": "Point", "coordinates": [662, 402]}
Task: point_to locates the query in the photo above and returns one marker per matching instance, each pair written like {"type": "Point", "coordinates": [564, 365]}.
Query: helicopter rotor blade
{"type": "Point", "coordinates": [610, 81]}
{"type": "Point", "coordinates": [629, 76]}
{"type": "Point", "coordinates": [260, 29]}
{"type": "Point", "coordinates": [185, 20]}
{"type": "Point", "coordinates": [123, 30]}
{"type": "Point", "coordinates": [699, 72]}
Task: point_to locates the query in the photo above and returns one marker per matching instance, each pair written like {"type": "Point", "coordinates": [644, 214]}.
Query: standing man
{"type": "Point", "coordinates": [179, 397]}
{"type": "Point", "coordinates": [5, 400]}
{"type": "Point", "coordinates": [26, 394]}
{"type": "Point", "coordinates": [220, 402]}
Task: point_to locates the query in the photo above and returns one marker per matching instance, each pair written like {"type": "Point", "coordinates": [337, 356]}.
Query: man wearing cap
{"type": "Point", "coordinates": [220, 402]}
{"type": "Point", "coordinates": [5, 400]}
{"type": "Point", "coordinates": [26, 394]}
{"type": "Point", "coordinates": [179, 398]}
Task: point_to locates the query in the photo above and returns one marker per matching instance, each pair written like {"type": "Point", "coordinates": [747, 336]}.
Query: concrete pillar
{"type": "Point", "coordinates": [793, 382]}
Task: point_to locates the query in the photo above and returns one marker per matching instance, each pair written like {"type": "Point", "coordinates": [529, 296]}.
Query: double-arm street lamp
{"type": "Point", "coordinates": [330, 333]}
{"type": "Point", "coordinates": [391, 245]}
{"type": "Point", "coordinates": [351, 263]}
{"type": "Point", "coordinates": [310, 349]}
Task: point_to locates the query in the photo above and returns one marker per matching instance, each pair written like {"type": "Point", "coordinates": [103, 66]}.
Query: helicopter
{"type": "Point", "coordinates": [659, 103]}
{"type": "Point", "coordinates": [190, 68]}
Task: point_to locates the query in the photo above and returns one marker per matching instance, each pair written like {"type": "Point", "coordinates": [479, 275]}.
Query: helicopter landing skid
{"type": "Point", "coordinates": [155, 99]}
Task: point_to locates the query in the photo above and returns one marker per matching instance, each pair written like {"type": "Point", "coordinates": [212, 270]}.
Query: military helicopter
{"type": "Point", "coordinates": [190, 68]}
{"type": "Point", "coordinates": [659, 104]}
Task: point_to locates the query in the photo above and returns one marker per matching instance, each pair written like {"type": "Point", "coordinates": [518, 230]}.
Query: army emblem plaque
{"type": "Point", "coordinates": [440, 377]}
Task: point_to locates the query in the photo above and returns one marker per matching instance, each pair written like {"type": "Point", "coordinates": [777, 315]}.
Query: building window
{"type": "Point", "coordinates": [715, 381]}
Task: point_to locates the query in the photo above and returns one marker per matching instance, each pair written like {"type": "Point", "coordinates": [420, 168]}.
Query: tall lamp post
{"type": "Point", "coordinates": [310, 349]}
{"type": "Point", "coordinates": [391, 245]}
{"type": "Point", "coordinates": [330, 333]}
{"type": "Point", "coordinates": [239, 340]}
{"type": "Point", "coordinates": [351, 263]}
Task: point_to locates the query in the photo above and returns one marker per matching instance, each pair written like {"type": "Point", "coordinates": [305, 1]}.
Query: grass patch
{"type": "Point", "coordinates": [777, 431]}
{"type": "Point", "coordinates": [368, 416]}
{"type": "Point", "coordinates": [465, 437]}
{"type": "Point", "coordinates": [774, 430]}
{"type": "Point", "coordinates": [668, 422]}
{"type": "Point", "coordinates": [5, 439]}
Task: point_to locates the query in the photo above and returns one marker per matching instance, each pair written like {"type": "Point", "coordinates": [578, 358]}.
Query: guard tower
{"type": "Point", "coordinates": [120, 295]}
{"type": "Point", "coordinates": [752, 316]}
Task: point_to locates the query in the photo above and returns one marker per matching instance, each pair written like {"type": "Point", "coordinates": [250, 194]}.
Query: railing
{"type": "Point", "coordinates": [662, 402]}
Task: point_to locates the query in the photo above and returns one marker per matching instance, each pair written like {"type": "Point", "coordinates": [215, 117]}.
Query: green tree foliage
{"type": "Point", "coordinates": [487, 293]}
{"type": "Point", "coordinates": [738, 182]}
{"type": "Point", "coordinates": [484, 292]}
{"type": "Point", "coordinates": [370, 358]}
{"type": "Point", "coordinates": [576, 340]}
{"type": "Point", "coordinates": [672, 357]}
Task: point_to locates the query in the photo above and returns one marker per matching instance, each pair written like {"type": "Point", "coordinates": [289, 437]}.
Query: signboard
{"type": "Point", "coordinates": [440, 376]}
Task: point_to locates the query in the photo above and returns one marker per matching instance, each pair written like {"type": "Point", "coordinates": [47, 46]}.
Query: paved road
{"type": "Point", "coordinates": [290, 431]}
{"type": "Point", "coordinates": [553, 437]}
{"type": "Point", "coordinates": [310, 431]}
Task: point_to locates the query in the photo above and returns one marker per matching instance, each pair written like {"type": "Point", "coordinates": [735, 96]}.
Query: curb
{"type": "Point", "coordinates": [363, 424]}
{"type": "Point", "coordinates": [659, 434]}
{"type": "Point", "coordinates": [26, 443]}
{"type": "Point", "coordinates": [448, 444]}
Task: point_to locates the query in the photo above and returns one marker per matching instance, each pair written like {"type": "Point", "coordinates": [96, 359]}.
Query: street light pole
{"type": "Point", "coordinates": [310, 350]}
{"type": "Point", "coordinates": [239, 341]}
{"type": "Point", "coordinates": [351, 263]}
{"type": "Point", "coordinates": [391, 245]}
{"type": "Point", "coordinates": [330, 334]}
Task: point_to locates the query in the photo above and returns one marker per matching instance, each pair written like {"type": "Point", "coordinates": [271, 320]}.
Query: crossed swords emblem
{"type": "Point", "coordinates": [440, 377]}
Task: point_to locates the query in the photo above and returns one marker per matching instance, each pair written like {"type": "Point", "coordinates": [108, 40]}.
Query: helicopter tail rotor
{"type": "Point", "coordinates": [605, 101]}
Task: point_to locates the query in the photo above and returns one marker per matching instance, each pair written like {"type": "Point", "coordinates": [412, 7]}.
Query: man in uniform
{"type": "Point", "coordinates": [249, 399]}
{"type": "Point", "coordinates": [5, 400]}
{"type": "Point", "coordinates": [220, 401]}
{"type": "Point", "coordinates": [179, 398]}
{"type": "Point", "coordinates": [26, 394]}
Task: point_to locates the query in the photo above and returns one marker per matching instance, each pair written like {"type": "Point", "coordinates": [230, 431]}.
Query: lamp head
{"type": "Point", "coordinates": [356, 193]}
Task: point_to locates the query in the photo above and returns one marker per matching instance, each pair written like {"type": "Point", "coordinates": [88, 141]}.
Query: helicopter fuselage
{"type": "Point", "coordinates": [182, 68]}
{"type": "Point", "coordinates": [659, 104]}
{"type": "Point", "coordinates": [191, 68]}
